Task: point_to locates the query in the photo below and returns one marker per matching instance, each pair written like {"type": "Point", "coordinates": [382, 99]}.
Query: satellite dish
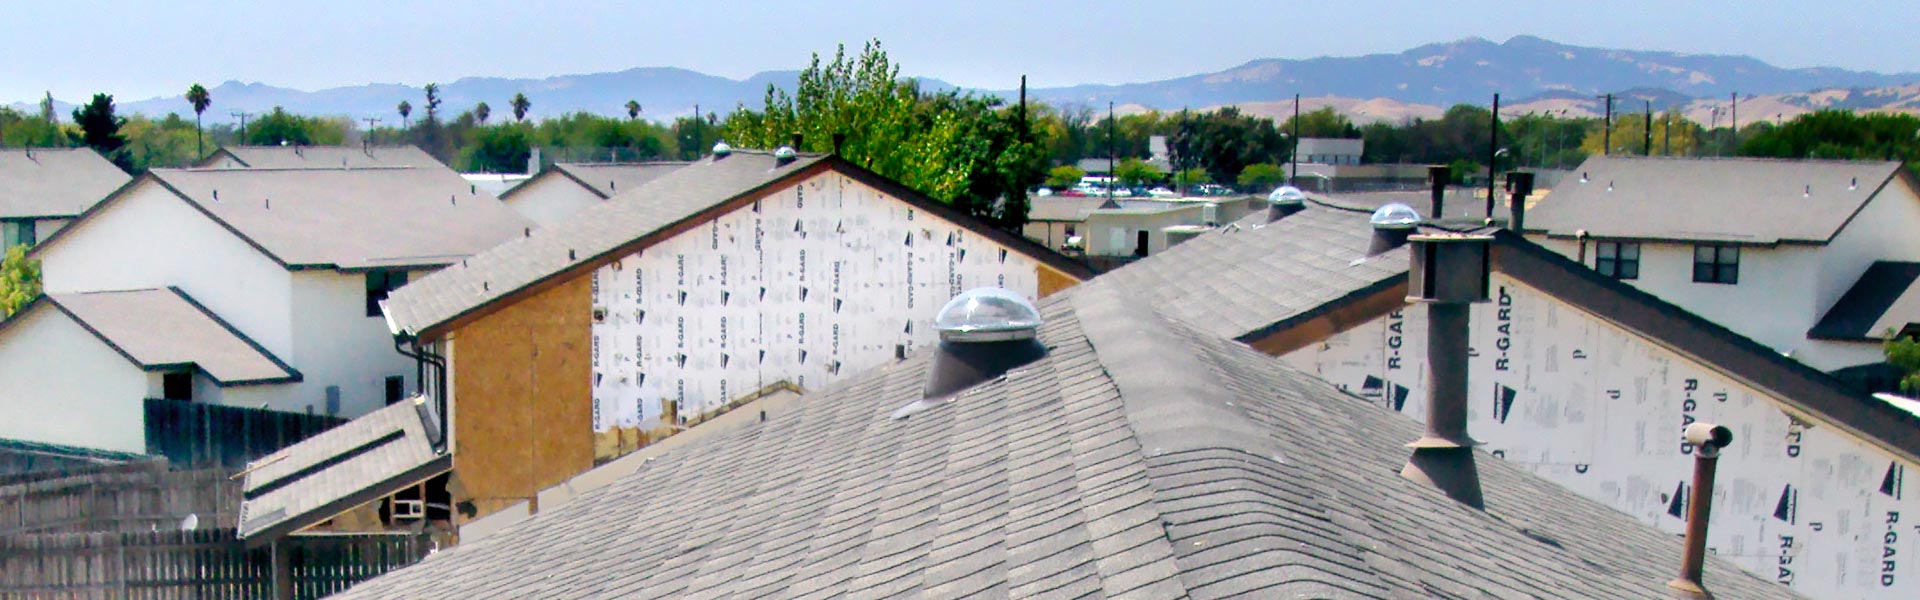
{"type": "Point", "coordinates": [190, 523]}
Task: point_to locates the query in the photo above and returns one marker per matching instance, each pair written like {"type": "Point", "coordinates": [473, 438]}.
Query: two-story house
{"type": "Point", "coordinates": [294, 262]}
{"type": "Point", "coordinates": [566, 188]}
{"type": "Point", "coordinates": [1800, 255]}
{"type": "Point", "coordinates": [41, 189]}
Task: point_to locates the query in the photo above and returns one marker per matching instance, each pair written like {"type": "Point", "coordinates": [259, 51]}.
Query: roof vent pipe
{"type": "Point", "coordinates": [1438, 176]}
{"type": "Point", "coordinates": [1449, 273]}
{"type": "Point", "coordinates": [1391, 226]}
{"type": "Point", "coordinates": [1707, 440]}
{"type": "Point", "coordinates": [1285, 200]}
{"type": "Point", "coordinates": [1519, 186]}
{"type": "Point", "coordinates": [797, 140]}
{"type": "Point", "coordinates": [839, 140]}
{"type": "Point", "coordinates": [984, 332]}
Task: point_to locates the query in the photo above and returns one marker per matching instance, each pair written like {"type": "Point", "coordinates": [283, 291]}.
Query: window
{"type": "Point", "coordinates": [1618, 260]}
{"type": "Point", "coordinates": [1069, 230]}
{"type": "Point", "coordinates": [1140, 248]}
{"type": "Point", "coordinates": [396, 389]}
{"type": "Point", "coordinates": [16, 233]}
{"type": "Point", "coordinates": [1716, 264]}
{"type": "Point", "coordinates": [177, 385]}
{"type": "Point", "coordinates": [379, 285]}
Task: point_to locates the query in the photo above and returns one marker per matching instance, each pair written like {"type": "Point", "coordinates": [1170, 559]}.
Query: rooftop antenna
{"type": "Point", "coordinates": [1733, 137]}
{"type": "Point", "coordinates": [1493, 153]}
{"type": "Point", "coordinates": [242, 115]}
{"type": "Point", "coordinates": [1647, 148]}
{"type": "Point", "coordinates": [1295, 151]}
{"type": "Point", "coordinates": [1113, 151]}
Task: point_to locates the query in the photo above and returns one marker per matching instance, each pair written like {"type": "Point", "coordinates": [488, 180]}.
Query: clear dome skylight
{"type": "Point", "coordinates": [785, 153]}
{"type": "Point", "coordinates": [1395, 216]}
{"type": "Point", "coordinates": [987, 315]}
{"type": "Point", "coordinates": [722, 149]}
{"type": "Point", "coordinates": [1286, 195]}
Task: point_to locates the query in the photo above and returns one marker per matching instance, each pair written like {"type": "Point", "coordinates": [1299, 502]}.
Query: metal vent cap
{"type": "Point", "coordinates": [1395, 216]}
{"type": "Point", "coordinates": [1286, 195]}
{"type": "Point", "coordinates": [987, 315]}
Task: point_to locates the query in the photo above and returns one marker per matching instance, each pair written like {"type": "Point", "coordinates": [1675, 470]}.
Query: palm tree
{"type": "Point", "coordinates": [633, 109]}
{"type": "Point", "coordinates": [200, 99]}
{"type": "Point", "coordinates": [520, 106]}
{"type": "Point", "coordinates": [406, 108]}
{"type": "Point", "coordinates": [480, 111]}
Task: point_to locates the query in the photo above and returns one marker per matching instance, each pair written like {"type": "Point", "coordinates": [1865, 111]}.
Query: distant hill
{"type": "Point", "coordinates": [1530, 73]}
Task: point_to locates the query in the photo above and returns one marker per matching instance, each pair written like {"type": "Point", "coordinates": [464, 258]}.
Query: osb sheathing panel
{"type": "Point", "coordinates": [523, 416]}
{"type": "Point", "coordinates": [1052, 281]}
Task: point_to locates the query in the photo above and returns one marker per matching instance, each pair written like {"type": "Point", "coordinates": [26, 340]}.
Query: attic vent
{"type": "Point", "coordinates": [984, 332]}
{"type": "Point", "coordinates": [1391, 226]}
{"type": "Point", "coordinates": [721, 150]}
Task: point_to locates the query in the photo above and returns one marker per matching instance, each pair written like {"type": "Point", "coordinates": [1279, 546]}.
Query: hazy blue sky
{"type": "Point", "coordinates": [138, 50]}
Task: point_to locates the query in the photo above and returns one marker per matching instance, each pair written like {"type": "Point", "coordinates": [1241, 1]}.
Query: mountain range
{"type": "Point", "coordinates": [1531, 73]}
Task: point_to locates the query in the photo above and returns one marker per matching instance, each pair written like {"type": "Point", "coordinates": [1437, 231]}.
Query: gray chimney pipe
{"type": "Point", "coordinates": [1438, 176]}
{"type": "Point", "coordinates": [1449, 273]}
{"type": "Point", "coordinates": [1519, 185]}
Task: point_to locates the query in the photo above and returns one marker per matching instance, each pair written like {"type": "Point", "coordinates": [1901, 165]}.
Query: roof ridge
{"type": "Point", "coordinates": [1737, 159]}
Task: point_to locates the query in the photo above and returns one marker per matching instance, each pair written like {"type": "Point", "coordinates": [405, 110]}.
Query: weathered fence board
{"type": "Point", "coordinates": [200, 564]}
{"type": "Point", "coordinates": [197, 435]}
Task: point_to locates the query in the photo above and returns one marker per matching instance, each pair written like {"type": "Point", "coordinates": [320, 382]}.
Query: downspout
{"type": "Point", "coordinates": [422, 359]}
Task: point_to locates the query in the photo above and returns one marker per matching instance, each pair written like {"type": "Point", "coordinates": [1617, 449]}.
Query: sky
{"type": "Point", "coordinates": [142, 49]}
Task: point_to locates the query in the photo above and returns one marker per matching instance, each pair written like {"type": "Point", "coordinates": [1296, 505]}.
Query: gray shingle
{"type": "Point", "coordinates": [164, 328]}
{"type": "Point", "coordinates": [1070, 477]}
{"type": "Point", "coordinates": [327, 157]}
{"type": "Point", "coordinates": [610, 179]}
{"type": "Point", "coordinates": [54, 182]}
{"type": "Point", "coordinates": [1749, 200]}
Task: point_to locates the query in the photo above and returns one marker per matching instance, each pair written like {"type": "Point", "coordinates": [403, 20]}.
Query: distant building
{"type": "Point", "coordinates": [1058, 221]}
{"type": "Point", "coordinates": [1331, 151]}
{"type": "Point", "coordinates": [565, 188]}
{"type": "Point", "coordinates": [41, 189]}
{"type": "Point", "coordinates": [285, 269]}
{"type": "Point", "coordinates": [1814, 258]}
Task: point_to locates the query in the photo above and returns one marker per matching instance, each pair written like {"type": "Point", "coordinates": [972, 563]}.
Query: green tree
{"type": "Point", "coordinates": [520, 105]}
{"type": "Point", "coordinates": [633, 109]}
{"type": "Point", "coordinates": [46, 109]}
{"type": "Point", "coordinates": [503, 149]}
{"type": "Point", "coordinates": [481, 111]}
{"type": "Point", "coordinates": [1262, 176]}
{"type": "Point", "coordinates": [1064, 176]}
{"type": "Point", "coordinates": [406, 110]}
{"type": "Point", "coordinates": [19, 280]}
{"type": "Point", "coordinates": [1904, 354]}
{"type": "Point", "coordinates": [1135, 172]}
{"type": "Point", "coordinates": [433, 102]}
{"type": "Point", "coordinates": [198, 96]}
{"type": "Point", "coordinates": [100, 129]}
{"type": "Point", "coordinates": [1192, 177]}
{"type": "Point", "coordinates": [1838, 134]}
{"type": "Point", "coordinates": [1322, 123]}
{"type": "Point", "coordinates": [970, 151]}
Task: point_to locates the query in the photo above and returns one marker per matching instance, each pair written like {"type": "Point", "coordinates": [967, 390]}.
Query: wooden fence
{"type": "Point", "coordinates": [201, 564]}
{"type": "Point", "coordinates": [134, 497]}
{"type": "Point", "coordinates": [194, 435]}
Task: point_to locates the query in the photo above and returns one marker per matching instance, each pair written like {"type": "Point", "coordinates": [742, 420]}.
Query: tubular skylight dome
{"type": "Point", "coordinates": [784, 153]}
{"type": "Point", "coordinates": [1395, 216]}
{"type": "Point", "coordinates": [1286, 195]}
{"type": "Point", "coordinates": [722, 149]}
{"type": "Point", "coordinates": [987, 315]}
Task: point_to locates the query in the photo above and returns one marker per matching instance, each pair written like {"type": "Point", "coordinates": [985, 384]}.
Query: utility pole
{"type": "Point", "coordinates": [1606, 135]}
{"type": "Point", "coordinates": [1666, 136]}
{"type": "Point", "coordinates": [1113, 153]}
{"type": "Point", "coordinates": [1647, 148]}
{"type": "Point", "coordinates": [367, 139]}
{"type": "Point", "coordinates": [1733, 137]}
{"type": "Point", "coordinates": [1493, 154]}
{"type": "Point", "coordinates": [243, 124]}
{"type": "Point", "coordinates": [1295, 152]}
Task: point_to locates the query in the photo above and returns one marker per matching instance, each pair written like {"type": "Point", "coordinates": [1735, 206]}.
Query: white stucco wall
{"type": "Point", "coordinates": [337, 344]}
{"type": "Point", "coordinates": [1100, 227]}
{"type": "Point", "coordinates": [61, 385]}
{"type": "Point", "coordinates": [1600, 410]}
{"type": "Point", "coordinates": [153, 238]}
{"type": "Point", "coordinates": [817, 282]}
{"type": "Point", "coordinates": [547, 200]}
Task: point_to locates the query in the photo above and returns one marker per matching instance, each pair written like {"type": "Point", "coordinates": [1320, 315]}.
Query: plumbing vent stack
{"type": "Point", "coordinates": [1449, 273]}
{"type": "Point", "coordinates": [1520, 185]}
{"type": "Point", "coordinates": [1707, 440]}
{"type": "Point", "coordinates": [1438, 176]}
{"type": "Point", "coordinates": [984, 332]}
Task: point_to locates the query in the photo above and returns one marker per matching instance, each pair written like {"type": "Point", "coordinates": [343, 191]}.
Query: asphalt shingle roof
{"type": "Point", "coordinates": [329, 157]}
{"type": "Point", "coordinates": [1140, 459]}
{"type": "Point", "coordinates": [164, 328]}
{"type": "Point", "coordinates": [583, 237]}
{"type": "Point", "coordinates": [1254, 276]}
{"type": "Point", "coordinates": [609, 179]}
{"type": "Point", "coordinates": [1855, 315]}
{"type": "Point", "coordinates": [54, 182]}
{"type": "Point", "coordinates": [363, 459]}
{"type": "Point", "coordinates": [1746, 200]}
{"type": "Point", "coordinates": [351, 218]}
